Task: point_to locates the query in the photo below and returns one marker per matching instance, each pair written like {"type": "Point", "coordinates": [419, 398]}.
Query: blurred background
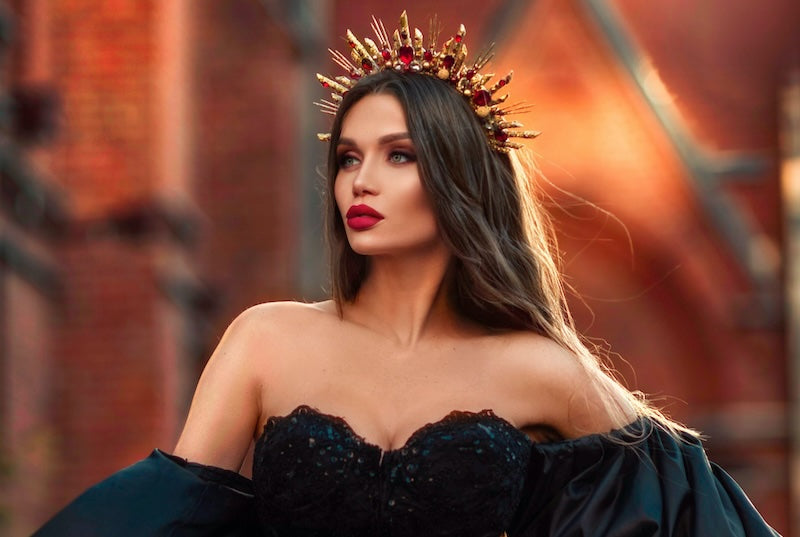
{"type": "Point", "coordinates": [159, 173]}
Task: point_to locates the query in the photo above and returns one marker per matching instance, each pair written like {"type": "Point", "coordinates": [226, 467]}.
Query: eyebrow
{"type": "Point", "coordinates": [383, 140]}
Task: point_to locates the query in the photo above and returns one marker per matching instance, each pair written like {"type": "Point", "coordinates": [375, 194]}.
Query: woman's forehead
{"type": "Point", "coordinates": [374, 116]}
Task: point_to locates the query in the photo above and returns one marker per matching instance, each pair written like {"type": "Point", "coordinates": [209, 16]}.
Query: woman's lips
{"type": "Point", "coordinates": [360, 217]}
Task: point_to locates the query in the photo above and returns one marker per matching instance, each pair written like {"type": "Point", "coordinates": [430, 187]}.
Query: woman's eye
{"type": "Point", "coordinates": [399, 157]}
{"type": "Point", "coordinates": [345, 161]}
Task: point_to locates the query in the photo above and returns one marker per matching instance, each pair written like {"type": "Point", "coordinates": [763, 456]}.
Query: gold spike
{"type": "Point", "coordinates": [419, 49]}
{"type": "Point", "coordinates": [345, 81]}
{"type": "Point", "coordinates": [434, 29]}
{"type": "Point", "coordinates": [460, 57]}
{"type": "Point", "coordinates": [322, 103]}
{"type": "Point", "coordinates": [515, 108]}
{"type": "Point", "coordinates": [325, 109]}
{"type": "Point", "coordinates": [405, 32]}
{"type": "Point", "coordinates": [502, 82]}
{"type": "Point", "coordinates": [454, 42]}
{"type": "Point", "coordinates": [380, 32]}
{"type": "Point", "coordinates": [328, 83]}
{"type": "Point", "coordinates": [523, 134]}
{"type": "Point", "coordinates": [360, 53]}
{"type": "Point", "coordinates": [484, 58]}
{"type": "Point", "coordinates": [478, 80]}
{"type": "Point", "coordinates": [372, 48]}
{"type": "Point", "coordinates": [446, 47]}
{"type": "Point", "coordinates": [342, 61]}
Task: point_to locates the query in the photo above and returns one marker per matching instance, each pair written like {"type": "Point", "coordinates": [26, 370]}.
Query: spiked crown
{"type": "Point", "coordinates": [406, 52]}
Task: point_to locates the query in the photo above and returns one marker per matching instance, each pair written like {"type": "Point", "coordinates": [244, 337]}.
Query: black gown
{"type": "Point", "coordinates": [470, 474]}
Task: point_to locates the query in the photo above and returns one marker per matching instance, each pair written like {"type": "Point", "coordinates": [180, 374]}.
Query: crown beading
{"type": "Point", "coordinates": [407, 53]}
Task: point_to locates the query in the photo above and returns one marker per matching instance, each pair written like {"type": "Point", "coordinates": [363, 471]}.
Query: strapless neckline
{"type": "Point", "coordinates": [461, 475]}
{"type": "Point", "coordinates": [454, 417]}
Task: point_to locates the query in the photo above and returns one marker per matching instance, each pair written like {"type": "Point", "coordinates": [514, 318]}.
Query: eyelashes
{"type": "Point", "coordinates": [401, 157]}
{"type": "Point", "coordinates": [347, 160]}
{"type": "Point", "coordinates": [396, 156]}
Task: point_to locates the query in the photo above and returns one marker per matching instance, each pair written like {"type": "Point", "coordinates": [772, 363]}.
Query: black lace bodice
{"type": "Point", "coordinates": [460, 476]}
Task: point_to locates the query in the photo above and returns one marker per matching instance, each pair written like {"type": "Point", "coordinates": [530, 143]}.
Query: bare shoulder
{"type": "Point", "coordinates": [288, 310]}
{"type": "Point", "coordinates": [279, 337]}
{"type": "Point", "coordinates": [563, 390]}
{"type": "Point", "coordinates": [539, 357]}
{"type": "Point", "coordinates": [229, 395]}
{"type": "Point", "coordinates": [282, 319]}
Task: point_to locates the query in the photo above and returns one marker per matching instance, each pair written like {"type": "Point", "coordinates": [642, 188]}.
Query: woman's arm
{"type": "Point", "coordinates": [226, 405]}
{"type": "Point", "coordinates": [163, 495]}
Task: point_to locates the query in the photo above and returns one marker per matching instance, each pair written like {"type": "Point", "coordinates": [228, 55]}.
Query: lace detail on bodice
{"type": "Point", "coordinates": [461, 475]}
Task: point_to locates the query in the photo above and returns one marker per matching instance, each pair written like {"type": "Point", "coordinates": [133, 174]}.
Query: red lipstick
{"type": "Point", "coordinates": [360, 217]}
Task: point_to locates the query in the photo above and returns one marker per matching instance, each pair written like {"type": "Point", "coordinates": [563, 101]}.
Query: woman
{"type": "Point", "coordinates": [443, 389]}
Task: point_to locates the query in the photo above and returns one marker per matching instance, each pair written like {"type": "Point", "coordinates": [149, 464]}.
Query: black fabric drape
{"type": "Point", "coordinates": [159, 496]}
{"type": "Point", "coordinates": [596, 486]}
{"type": "Point", "coordinates": [615, 486]}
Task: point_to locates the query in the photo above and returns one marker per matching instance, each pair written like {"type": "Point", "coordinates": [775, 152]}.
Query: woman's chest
{"type": "Point", "coordinates": [387, 398]}
{"type": "Point", "coordinates": [462, 474]}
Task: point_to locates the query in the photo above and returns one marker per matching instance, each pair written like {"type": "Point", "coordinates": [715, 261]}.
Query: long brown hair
{"type": "Point", "coordinates": [504, 274]}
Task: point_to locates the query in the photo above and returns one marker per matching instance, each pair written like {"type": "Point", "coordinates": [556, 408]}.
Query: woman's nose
{"type": "Point", "coordinates": [364, 181]}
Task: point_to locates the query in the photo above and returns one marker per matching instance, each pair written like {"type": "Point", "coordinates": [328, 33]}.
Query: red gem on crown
{"type": "Point", "coordinates": [482, 98]}
{"type": "Point", "coordinates": [501, 136]}
{"type": "Point", "coordinates": [406, 54]}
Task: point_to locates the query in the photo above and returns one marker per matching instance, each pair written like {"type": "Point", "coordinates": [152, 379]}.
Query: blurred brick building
{"type": "Point", "coordinates": [159, 173]}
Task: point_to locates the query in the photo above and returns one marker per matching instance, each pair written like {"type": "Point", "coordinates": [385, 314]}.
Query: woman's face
{"type": "Point", "coordinates": [378, 191]}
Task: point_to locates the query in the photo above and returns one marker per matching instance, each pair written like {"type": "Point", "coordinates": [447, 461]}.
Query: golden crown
{"type": "Point", "coordinates": [406, 53]}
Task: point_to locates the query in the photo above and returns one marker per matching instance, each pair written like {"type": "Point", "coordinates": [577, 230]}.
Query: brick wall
{"type": "Point", "coordinates": [121, 366]}
{"type": "Point", "coordinates": [245, 79]}
{"type": "Point", "coordinates": [28, 436]}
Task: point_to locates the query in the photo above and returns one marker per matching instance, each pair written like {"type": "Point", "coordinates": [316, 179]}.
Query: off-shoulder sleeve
{"type": "Point", "coordinates": [637, 482]}
{"type": "Point", "coordinates": [161, 495]}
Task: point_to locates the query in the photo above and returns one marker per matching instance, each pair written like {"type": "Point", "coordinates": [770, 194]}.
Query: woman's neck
{"type": "Point", "coordinates": [404, 297]}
